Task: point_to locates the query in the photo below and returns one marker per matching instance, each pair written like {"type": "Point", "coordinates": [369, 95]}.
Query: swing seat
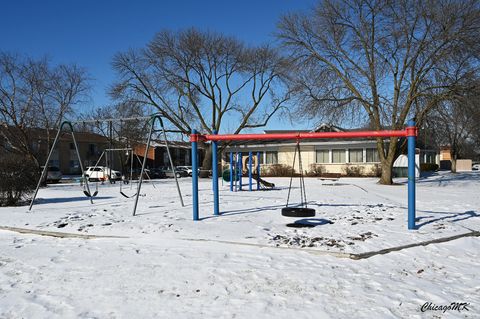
{"type": "Point", "coordinates": [298, 212]}
{"type": "Point", "coordinates": [90, 195]}
{"type": "Point", "coordinates": [126, 196]}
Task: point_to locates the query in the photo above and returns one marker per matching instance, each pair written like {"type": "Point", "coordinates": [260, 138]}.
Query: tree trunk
{"type": "Point", "coordinates": [387, 167]}
{"type": "Point", "coordinates": [454, 163]}
{"type": "Point", "coordinates": [387, 162]}
{"type": "Point", "coordinates": [207, 161]}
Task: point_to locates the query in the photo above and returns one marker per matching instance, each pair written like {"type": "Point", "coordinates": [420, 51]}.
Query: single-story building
{"type": "Point", "coordinates": [357, 156]}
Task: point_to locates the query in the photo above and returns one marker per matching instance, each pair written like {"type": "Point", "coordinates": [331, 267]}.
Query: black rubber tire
{"type": "Point", "coordinates": [298, 212]}
{"type": "Point", "coordinates": [300, 225]}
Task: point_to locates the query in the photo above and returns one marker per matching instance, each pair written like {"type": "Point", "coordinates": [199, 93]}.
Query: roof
{"type": "Point", "coordinates": [176, 144]}
{"type": "Point", "coordinates": [41, 134]}
{"type": "Point", "coordinates": [319, 128]}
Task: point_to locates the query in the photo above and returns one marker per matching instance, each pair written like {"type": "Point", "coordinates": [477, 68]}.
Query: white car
{"type": "Point", "coordinates": [476, 167]}
{"type": "Point", "coordinates": [102, 173]}
{"type": "Point", "coordinates": [187, 169]}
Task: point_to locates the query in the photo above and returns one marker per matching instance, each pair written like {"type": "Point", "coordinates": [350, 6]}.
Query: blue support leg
{"type": "Point", "coordinates": [240, 170]}
{"type": "Point", "coordinates": [258, 171]}
{"type": "Point", "coordinates": [250, 171]}
{"type": "Point", "coordinates": [411, 177]}
{"type": "Point", "coordinates": [231, 171]}
{"type": "Point", "coordinates": [235, 170]}
{"type": "Point", "coordinates": [195, 176]}
{"type": "Point", "coordinates": [216, 209]}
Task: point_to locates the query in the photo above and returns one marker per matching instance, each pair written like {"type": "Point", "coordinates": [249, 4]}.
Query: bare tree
{"type": "Point", "coordinates": [196, 79]}
{"type": "Point", "coordinates": [381, 60]}
{"type": "Point", "coordinates": [35, 95]}
{"type": "Point", "coordinates": [455, 124]}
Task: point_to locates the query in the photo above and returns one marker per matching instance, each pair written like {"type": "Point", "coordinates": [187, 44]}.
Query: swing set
{"type": "Point", "coordinates": [301, 210]}
{"type": "Point", "coordinates": [151, 120]}
{"type": "Point", "coordinates": [127, 179]}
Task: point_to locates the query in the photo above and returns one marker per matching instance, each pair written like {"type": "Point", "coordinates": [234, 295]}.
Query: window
{"type": "Point", "coordinates": [322, 156]}
{"type": "Point", "coordinates": [74, 164]}
{"type": "Point", "coordinates": [166, 160]}
{"type": "Point", "coordinates": [338, 156]}
{"type": "Point", "coordinates": [356, 155]}
{"type": "Point", "coordinates": [54, 163]}
{"type": "Point", "coordinates": [92, 149]}
{"type": "Point", "coordinates": [35, 146]}
{"type": "Point", "coordinates": [372, 155]}
{"type": "Point", "coordinates": [272, 157]}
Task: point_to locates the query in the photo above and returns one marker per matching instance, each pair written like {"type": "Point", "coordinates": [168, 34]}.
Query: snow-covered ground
{"type": "Point", "coordinates": [245, 263]}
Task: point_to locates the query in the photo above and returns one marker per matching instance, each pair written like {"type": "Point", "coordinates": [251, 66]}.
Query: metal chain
{"type": "Point", "coordinates": [291, 177]}
{"type": "Point", "coordinates": [303, 193]}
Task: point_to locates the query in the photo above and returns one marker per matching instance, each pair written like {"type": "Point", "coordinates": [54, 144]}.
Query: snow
{"type": "Point", "coordinates": [245, 263]}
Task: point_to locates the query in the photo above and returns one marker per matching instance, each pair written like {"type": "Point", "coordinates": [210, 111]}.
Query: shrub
{"type": "Point", "coordinates": [428, 167]}
{"type": "Point", "coordinates": [375, 171]}
{"type": "Point", "coordinates": [277, 170]}
{"type": "Point", "coordinates": [18, 179]}
{"type": "Point", "coordinates": [353, 171]}
{"type": "Point", "coordinates": [316, 170]}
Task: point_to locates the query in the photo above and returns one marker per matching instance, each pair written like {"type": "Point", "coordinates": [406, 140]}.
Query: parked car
{"type": "Point", "coordinates": [188, 169]}
{"type": "Point", "coordinates": [54, 175]}
{"type": "Point", "coordinates": [147, 173]}
{"type": "Point", "coordinates": [179, 173]}
{"type": "Point", "coordinates": [157, 173]}
{"type": "Point", "coordinates": [102, 173]}
{"type": "Point", "coordinates": [476, 167]}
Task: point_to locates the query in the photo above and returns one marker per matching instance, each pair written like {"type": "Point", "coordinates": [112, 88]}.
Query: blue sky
{"type": "Point", "coordinates": [89, 32]}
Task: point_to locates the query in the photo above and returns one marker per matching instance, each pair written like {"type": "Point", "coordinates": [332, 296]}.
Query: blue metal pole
{"type": "Point", "coordinates": [411, 177]}
{"type": "Point", "coordinates": [231, 171]}
{"type": "Point", "coordinates": [216, 209]}
{"type": "Point", "coordinates": [250, 171]}
{"type": "Point", "coordinates": [258, 170]}
{"type": "Point", "coordinates": [235, 173]}
{"type": "Point", "coordinates": [195, 176]}
{"type": "Point", "coordinates": [240, 170]}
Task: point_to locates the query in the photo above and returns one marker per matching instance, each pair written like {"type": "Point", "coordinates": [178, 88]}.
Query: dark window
{"type": "Point", "coordinates": [356, 155]}
{"type": "Point", "coordinates": [272, 157]}
{"type": "Point", "coordinates": [92, 148]}
{"type": "Point", "coordinates": [322, 156]}
{"type": "Point", "coordinates": [372, 155]}
{"type": "Point", "coordinates": [338, 156]}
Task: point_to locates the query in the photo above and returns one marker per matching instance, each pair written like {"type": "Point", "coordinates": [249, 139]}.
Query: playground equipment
{"type": "Point", "coordinates": [301, 210]}
{"type": "Point", "coordinates": [235, 172]}
{"type": "Point", "coordinates": [410, 132]}
{"type": "Point", "coordinates": [150, 120]}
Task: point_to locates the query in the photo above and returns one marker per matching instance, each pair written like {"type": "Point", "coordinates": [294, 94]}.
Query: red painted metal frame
{"type": "Point", "coordinates": [409, 131]}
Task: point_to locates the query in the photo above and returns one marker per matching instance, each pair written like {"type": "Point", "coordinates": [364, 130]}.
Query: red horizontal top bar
{"type": "Point", "coordinates": [410, 131]}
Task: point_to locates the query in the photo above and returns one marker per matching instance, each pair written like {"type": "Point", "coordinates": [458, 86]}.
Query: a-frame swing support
{"type": "Point", "coordinates": [140, 179]}
{"type": "Point", "coordinates": [410, 133]}
{"type": "Point", "coordinates": [45, 167]}
{"type": "Point", "coordinates": [151, 119]}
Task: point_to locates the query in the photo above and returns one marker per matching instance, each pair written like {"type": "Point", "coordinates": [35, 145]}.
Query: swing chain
{"type": "Point", "coordinates": [303, 194]}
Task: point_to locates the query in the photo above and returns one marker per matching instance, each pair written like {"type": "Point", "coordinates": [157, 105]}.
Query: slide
{"type": "Point", "coordinates": [263, 182]}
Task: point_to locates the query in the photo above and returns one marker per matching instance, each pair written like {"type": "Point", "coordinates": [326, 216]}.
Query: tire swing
{"type": "Point", "coordinates": [302, 209]}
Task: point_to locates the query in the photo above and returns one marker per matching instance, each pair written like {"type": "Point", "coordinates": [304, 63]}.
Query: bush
{"type": "Point", "coordinates": [316, 170]}
{"type": "Point", "coordinates": [428, 167]}
{"type": "Point", "coordinates": [18, 179]}
{"type": "Point", "coordinates": [353, 171]}
{"type": "Point", "coordinates": [375, 171]}
{"type": "Point", "coordinates": [277, 170]}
